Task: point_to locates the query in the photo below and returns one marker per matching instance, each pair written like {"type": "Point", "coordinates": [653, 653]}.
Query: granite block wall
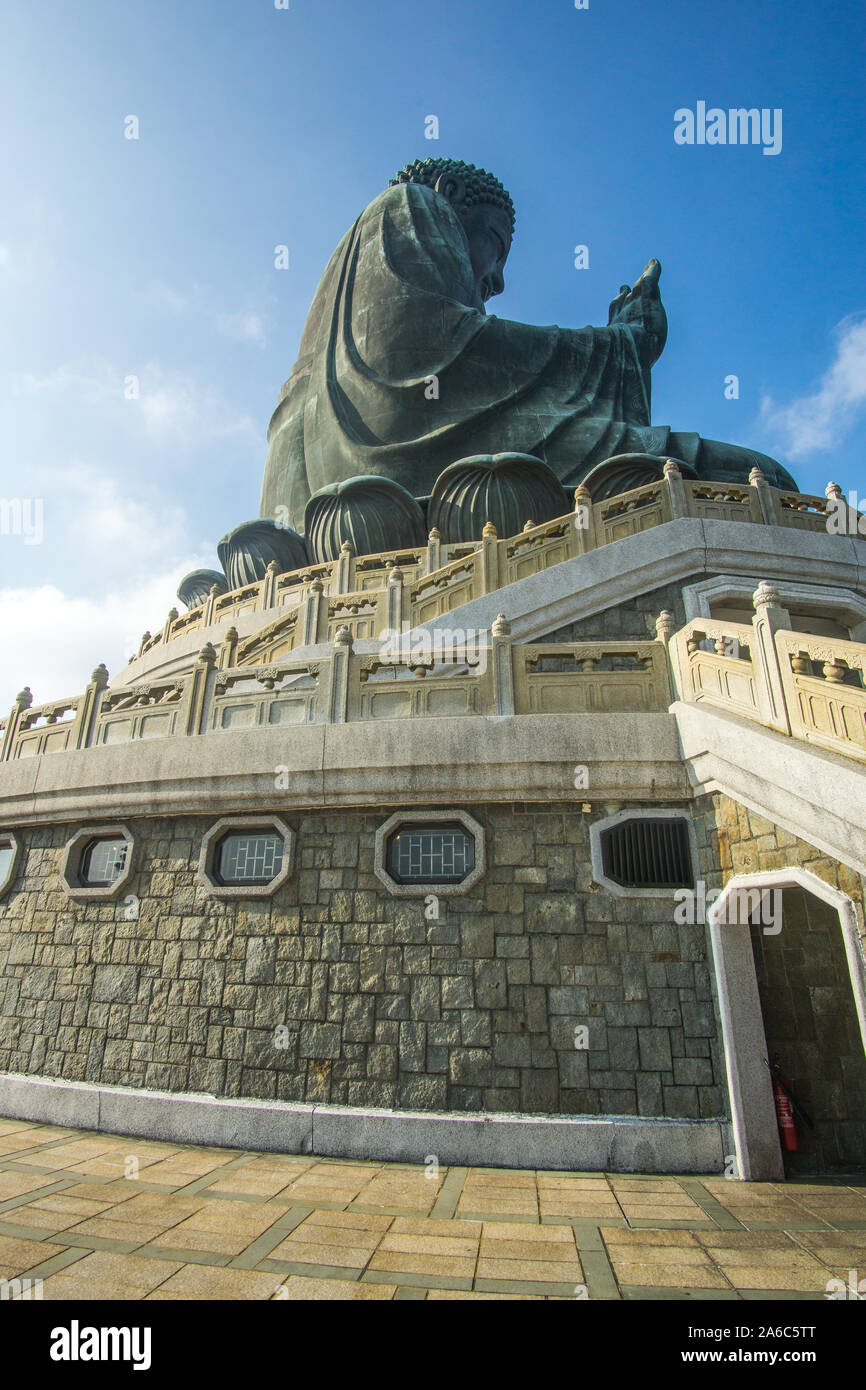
{"type": "Point", "coordinates": [333, 990]}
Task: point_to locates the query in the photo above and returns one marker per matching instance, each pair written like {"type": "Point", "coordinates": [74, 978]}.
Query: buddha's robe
{"type": "Point", "coordinates": [399, 376]}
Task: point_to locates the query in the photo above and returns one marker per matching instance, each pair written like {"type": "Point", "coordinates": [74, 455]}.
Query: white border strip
{"type": "Point", "coordinates": [612, 1144]}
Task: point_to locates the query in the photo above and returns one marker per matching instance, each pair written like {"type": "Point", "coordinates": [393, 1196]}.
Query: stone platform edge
{"type": "Point", "coordinates": [585, 1144]}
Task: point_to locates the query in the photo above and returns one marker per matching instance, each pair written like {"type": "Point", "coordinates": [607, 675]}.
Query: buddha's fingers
{"type": "Point", "coordinates": [649, 276]}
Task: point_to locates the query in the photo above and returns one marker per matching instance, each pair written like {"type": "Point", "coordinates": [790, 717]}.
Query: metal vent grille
{"type": "Point", "coordinates": [648, 853]}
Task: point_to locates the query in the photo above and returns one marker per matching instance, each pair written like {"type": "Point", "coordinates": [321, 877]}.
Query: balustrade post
{"type": "Point", "coordinates": [343, 576]}
{"type": "Point", "coordinates": [666, 626]}
{"type": "Point", "coordinates": [338, 677]}
{"type": "Point", "coordinates": [394, 617]}
{"type": "Point", "coordinates": [770, 618]}
{"type": "Point", "coordinates": [196, 690]}
{"type": "Point", "coordinates": [228, 649]}
{"type": "Point", "coordinates": [166, 631]}
{"type": "Point", "coordinates": [503, 664]}
{"type": "Point", "coordinates": [489, 559]}
{"type": "Point", "coordinates": [310, 610]}
{"type": "Point", "coordinates": [679, 498]}
{"type": "Point", "coordinates": [88, 709]}
{"type": "Point", "coordinates": [768, 499]}
{"type": "Point", "coordinates": [584, 520]}
{"type": "Point", "coordinates": [210, 604]}
{"type": "Point", "coordinates": [434, 551]}
{"type": "Point", "coordinates": [268, 590]}
{"type": "Point", "coordinates": [23, 701]}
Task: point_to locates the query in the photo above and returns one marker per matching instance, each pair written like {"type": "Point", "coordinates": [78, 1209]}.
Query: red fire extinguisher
{"type": "Point", "coordinates": [784, 1112]}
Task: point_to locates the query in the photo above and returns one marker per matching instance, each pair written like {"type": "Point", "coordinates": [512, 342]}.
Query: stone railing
{"type": "Point", "coordinates": [437, 578]}
{"type": "Point", "coordinates": [810, 687]}
{"type": "Point", "coordinates": [150, 710]}
{"type": "Point", "coordinates": [458, 677]}
{"type": "Point", "coordinates": [806, 686]}
{"type": "Point", "coordinates": [591, 678]}
{"type": "Point", "coordinates": [823, 681]}
{"type": "Point", "coordinates": [52, 728]}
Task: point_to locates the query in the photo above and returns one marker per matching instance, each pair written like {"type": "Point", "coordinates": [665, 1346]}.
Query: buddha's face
{"type": "Point", "coordinates": [488, 230]}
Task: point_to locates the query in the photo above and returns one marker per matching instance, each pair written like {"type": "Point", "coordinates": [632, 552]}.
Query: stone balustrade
{"type": "Point", "coordinates": [810, 687]}
{"type": "Point", "coordinates": [32, 729]}
{"type": "Point", "coordinates": [446, 673]}
{"type": "Point", "coordinates": [437, 578]}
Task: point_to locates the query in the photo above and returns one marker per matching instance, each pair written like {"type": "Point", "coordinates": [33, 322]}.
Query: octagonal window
{"type": "Point", "coordinates": [436, 851]}
{"type": "Point", "coordinates": [643, 852]}
{"type": "Point", "coordinates": [9, 851]}
{"type": "Point", "coordinates": [103, 861]}
{"type": "Point", "coordinates": [253, 859]}
{"type": "Point", "coordinates": [97, 862]}
{"type": "Point", "coordinates": [430, 854]}
{"type": "Point", "coordinates": [7, 854]}
{"type": "Point", "coordinates": [246, 857]}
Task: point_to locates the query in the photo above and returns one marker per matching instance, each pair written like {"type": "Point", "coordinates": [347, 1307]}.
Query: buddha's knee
{"type": "Point", "coordinates": [722, 462]}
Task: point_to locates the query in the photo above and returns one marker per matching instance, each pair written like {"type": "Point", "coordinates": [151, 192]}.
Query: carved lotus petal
{"type": "Point", "coordinates": [247, 551]}
{"type": "Point", "coordinates": [623, 472]}
{"type": "Point", "coordinates": [373, 514]}
{"type": "Point", "coordinates": [505, 489]}
{"type": "Point", "coordinates": [195, 587]}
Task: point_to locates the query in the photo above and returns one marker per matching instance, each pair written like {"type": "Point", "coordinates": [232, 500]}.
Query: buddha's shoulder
{"type": "Point", "coordinates": [402, 195]}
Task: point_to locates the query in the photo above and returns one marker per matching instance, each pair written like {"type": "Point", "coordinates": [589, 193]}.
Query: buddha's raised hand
{"type": "Point", "coordinates": [641, 307]}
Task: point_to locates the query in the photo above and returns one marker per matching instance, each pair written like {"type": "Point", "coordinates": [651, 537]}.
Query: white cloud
{"type": "Point", "coordinates": [164, 297]}
{"type": "Point", "coordinates": [101, 514]}
{"type": "Point", "coordinates": [820, 420]}
{"type": "Point", "coordinates": [173, 409]}
{"type": "Point", "coordinates": [25, 265]}
{"type": "Point", "coordinates": [51, 640]}
{"type": "Point", "coordinates": [243, 326]}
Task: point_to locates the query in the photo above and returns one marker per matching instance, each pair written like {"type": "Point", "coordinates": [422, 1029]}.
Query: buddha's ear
{"type": "Point", "coordinates": [452, 187]}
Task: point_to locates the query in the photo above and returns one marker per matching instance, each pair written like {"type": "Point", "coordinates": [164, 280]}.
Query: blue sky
{"type": "Point", "coordinates": [257, 127]}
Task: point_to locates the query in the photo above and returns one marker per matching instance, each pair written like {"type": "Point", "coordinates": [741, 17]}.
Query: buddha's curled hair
{"type": "Point", "coordinates": [481, 187]}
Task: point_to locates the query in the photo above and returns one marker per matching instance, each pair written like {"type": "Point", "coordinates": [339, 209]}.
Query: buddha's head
{"type": "Point", "coordinates": [486, 214]}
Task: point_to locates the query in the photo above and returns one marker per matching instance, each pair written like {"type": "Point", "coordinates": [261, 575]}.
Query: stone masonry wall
{"type": "Point", "coordinates": [333, 990]}
{"type": "Point", "coordinates": [633, 620]}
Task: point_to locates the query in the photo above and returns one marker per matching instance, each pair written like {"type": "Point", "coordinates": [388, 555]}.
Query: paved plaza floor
{"type": "Point", "coordinates": [100, 1216]}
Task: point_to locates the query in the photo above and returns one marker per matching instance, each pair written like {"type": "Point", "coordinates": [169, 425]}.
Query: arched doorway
{"type": "Point", "coordinates": [800, 993]}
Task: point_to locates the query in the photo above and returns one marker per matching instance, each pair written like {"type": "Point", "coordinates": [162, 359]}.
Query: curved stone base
{"type": "Point", "coordinates": [571, 1143]}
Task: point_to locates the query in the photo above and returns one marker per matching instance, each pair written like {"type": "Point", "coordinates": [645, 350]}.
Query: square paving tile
{"type": "Point", "coordinates": [207, 1281]}
{"type": "Point", "coordinates": [322, 1253]}
{"type": "Point", "coordinates": [297, 1287]}
{"type": "Point", "coordinates": [349, 1220]}
{"type": "Point", "coordinates": [20, 1255]}
{"type": "Point", "coordinates": [406, 1262]}
{"type": "Point", "coordinates": [15, 1184]}
{"type": "Point", "coordinates": [675, 1276]}
{"type": "Point", "coordinates": [103, 1275]}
